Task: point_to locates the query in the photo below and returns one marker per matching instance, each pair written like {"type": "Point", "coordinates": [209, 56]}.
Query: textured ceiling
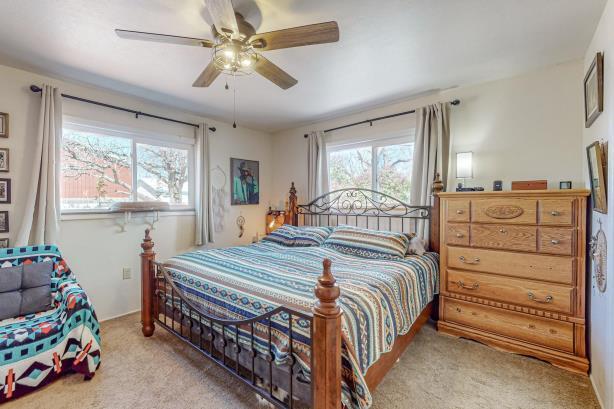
{"type": "Point", "coordinates": [388, 49]}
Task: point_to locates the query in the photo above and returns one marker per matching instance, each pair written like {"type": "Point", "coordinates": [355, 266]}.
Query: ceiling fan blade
{"type": "Point", "coordinates": [223, 16]}
{"type": "Point", "coordinates": [297, 37]}
{"type": "Point", "coordinates": [207, 77]}
{"type": "Point", "coordinates": [163, 38]}
{"type": "Point", "coordinates": [273, 73]}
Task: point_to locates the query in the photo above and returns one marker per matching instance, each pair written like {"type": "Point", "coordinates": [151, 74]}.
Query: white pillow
{"type": "Point", "coordinates": [416, 246]}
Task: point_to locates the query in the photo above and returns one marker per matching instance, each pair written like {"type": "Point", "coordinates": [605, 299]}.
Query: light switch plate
{"type": "Point", "coordinates": [127, 273]}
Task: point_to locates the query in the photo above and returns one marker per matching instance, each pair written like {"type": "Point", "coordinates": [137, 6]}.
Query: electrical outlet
{"type": "Point", "coordinates": [126, 273]}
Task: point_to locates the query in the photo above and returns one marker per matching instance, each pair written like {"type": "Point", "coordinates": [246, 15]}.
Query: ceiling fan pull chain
{"type": "Point", "coordinates": [234, 100]}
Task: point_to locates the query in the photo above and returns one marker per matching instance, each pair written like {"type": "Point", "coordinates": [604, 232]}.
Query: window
{"type": "Point", "coordinates": [102, 166]}
{"type": "Point", "coordinates": [382, 165]}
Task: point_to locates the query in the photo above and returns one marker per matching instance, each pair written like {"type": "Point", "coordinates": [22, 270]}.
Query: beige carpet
{"type": "Point", "coordinates": [436, 371]}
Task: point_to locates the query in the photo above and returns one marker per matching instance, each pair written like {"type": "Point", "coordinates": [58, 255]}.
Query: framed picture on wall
{"type": "Point", "coordinates": [4, 159]}
{"type": "Point", "coordinates": [4, 125]}
{"type": "Point", "coordinates": [593, 91]}
{"type": "Point", "coordinates": [245, 187]}
{"type": "Point", "coordinates": [4, 222]}
{"type": "Point", "coordinates": [597, 170]}
{"type": "Point", "coordinates": [4, 243]}
{"type": "Point", "coordinates": [5, 190]}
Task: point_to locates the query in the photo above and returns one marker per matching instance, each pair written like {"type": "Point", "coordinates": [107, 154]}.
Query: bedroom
{"type": "Point", "coordinates": [485, 91]}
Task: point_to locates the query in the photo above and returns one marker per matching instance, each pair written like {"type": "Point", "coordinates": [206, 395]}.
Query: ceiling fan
{"type": "Point", "coordinates": [237, 47]}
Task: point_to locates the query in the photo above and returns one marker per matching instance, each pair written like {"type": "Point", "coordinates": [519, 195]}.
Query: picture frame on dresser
{"type": "Point", "coordinates": [597, 170]}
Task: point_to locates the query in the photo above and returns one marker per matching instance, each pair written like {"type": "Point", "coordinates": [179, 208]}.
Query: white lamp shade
{"type": "Point", "coordinates": [464, 165]}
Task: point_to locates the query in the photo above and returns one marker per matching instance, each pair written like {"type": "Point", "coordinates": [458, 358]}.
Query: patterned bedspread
{"type": "Point", "coordinates": [380, 299]}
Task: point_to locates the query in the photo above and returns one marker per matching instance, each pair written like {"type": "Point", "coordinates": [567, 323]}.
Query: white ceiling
{"type": "Point", "coordinates": [388, 49]}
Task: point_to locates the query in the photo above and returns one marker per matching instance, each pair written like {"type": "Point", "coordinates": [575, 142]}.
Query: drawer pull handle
{"type": "Point", "coordinates": [459, 211]}
{"type": "Point", "coordinates": [546, 300]}
{"type": "Point", "coordinates": [502, 231]}
{"type": "Point", "coordinates": [473, 286]}
{"type": "Point", "coordinates": [555, 213]}
{"type": "Point", "coordinates": [476, 260]}
{"type": "Point", "coordinates": [459, 235]}
{"type": "Point", "coordinates": [554, 241]}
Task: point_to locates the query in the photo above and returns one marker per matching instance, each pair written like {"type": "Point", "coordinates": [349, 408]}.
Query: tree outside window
{"type": "Point", "coordinates": [378, 166]}
{"type": "Point", "coordinates": [98, 170]}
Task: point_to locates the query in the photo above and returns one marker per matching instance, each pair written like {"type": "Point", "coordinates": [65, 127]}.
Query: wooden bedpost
{"type": "Point", "coordinates": [434, 234]}
{"type": "Point", "coordinates": [292, 210]}
{"type": "Point", "coordinates": [434, 227]}
{"type": "Point", "coordinates": [326, 343]}
{"type": "Point", "coordinates": [147, 285]}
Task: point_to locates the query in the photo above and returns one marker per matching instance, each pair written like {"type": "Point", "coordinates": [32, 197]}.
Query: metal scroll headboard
{"type": "Point", "coordinates": [363, 208]}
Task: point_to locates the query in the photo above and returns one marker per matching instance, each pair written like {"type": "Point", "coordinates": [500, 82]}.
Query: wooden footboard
{"type": "Point", "coordinates": [232, 343]}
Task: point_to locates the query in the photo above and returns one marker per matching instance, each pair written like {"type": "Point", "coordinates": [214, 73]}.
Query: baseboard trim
{"type": "Point", "coordinates": [596, 391]}
{"type": "Point", "coordinates": [119, 315]}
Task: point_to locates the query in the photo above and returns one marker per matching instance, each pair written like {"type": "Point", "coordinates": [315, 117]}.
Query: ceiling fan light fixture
{"type": "Point", "coordinates": [233, 58]}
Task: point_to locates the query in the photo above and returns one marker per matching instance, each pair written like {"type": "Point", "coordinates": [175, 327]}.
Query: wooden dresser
{"type": "Point", "coordinates": [513, 272]}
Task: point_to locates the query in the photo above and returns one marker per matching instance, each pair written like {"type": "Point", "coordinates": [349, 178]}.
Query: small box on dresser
{"type": "Point", "coordinates": [513, 272]}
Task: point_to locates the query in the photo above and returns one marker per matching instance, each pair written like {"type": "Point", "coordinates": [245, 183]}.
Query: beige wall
{"type": "Point", "coordinates": [94, 248]}
{"type": "Point", "coordinates": [525, 127]}
{"type": "Point", "coordinates": [602, 305]}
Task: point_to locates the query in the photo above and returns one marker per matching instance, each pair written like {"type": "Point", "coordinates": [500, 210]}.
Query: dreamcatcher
{"type": "Point", "coordinates": [241, 225]}
{"type": "Point", "coordinates": [218, 197]}
{"type": "Point", "coordinates": [599, 254]}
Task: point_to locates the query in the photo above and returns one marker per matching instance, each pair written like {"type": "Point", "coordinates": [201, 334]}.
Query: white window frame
{"type": "Point", "coordinates": [407, 136]}
{"type": "Point", "coordinates": [136, 136]}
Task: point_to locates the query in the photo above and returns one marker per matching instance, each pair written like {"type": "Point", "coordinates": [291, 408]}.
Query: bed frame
{"type": "Point", "coordinates": [231, 343]}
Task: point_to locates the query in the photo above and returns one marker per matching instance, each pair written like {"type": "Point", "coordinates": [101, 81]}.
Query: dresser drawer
{"type": "Point", "coordinates": [457, 233]}
{"type": "Point", "coordinates": [509, 210]}
{"type": "Point", "coordinates": [556, 240]}
{"type": "Point", "coordinates": [546, 296]}
{"type": "Point", "coordinates": [542, 331]}
{"type": "Point", "coordinates": [556, 211]}
{"type": "Point", "coordinates": [521, 238]}
{"type": "Point", "coordinates": [457, 210]}
{"type": "Point", "coordinates": [534, 266]}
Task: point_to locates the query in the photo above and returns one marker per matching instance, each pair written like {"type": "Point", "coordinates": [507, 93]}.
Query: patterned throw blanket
{"type": "Point", "coordinates": [380, 299]}
{"type": "Point", "coordinates": [37, 348]}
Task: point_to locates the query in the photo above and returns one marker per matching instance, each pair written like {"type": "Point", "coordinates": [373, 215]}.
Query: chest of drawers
{"type": "Point", "coordinates": [513, 272]}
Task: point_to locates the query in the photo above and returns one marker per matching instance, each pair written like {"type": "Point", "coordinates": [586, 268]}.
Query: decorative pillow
{"type": "Point", "coordinates": [416, 246]}
{"type": "Point", "coordinates": [25, 289]}
{"type": "Point", "coordinates": [301, 236]}
{"type": "Point", "coordinates": [367, 243]}
{"type": "Point", "coordinates": [283, 236]}
{"type": "Point", "coordinates": [309, 236]}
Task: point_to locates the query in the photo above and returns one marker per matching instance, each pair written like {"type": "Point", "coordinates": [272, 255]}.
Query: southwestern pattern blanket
{"type": "Point", "coordinates": [380, 298]}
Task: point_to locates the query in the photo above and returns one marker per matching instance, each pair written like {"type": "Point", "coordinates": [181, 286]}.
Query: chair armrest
{"type": "Point", "coordinates": [70, 294]}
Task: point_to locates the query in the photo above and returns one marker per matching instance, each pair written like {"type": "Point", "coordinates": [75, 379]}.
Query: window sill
{"type": "Point", "coordinates": [101, 214]}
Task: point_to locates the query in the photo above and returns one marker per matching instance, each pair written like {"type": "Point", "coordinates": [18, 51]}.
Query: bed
{"type": "Point", "coordinates": [252, 310]}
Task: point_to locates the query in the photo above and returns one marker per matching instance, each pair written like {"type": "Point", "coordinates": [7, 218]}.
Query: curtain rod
{"type": "Point", "coordinates": [370, 121]}
{"type": "Point", "coordinates": [35, 88]}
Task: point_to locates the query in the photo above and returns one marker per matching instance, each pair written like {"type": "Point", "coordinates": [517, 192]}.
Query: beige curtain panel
{"type": "Point", "coordinates": [204, 230]}
{"type": "Point", "coordinates": [431, 156]}
{"type": "Point", "coordinates": [317, 174]}
{"type": "Point", "coordinates": [42, 205]}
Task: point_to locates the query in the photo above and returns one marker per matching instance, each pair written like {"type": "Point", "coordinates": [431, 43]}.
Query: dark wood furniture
{"type": "Point", "coordinates": [164, 304]}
